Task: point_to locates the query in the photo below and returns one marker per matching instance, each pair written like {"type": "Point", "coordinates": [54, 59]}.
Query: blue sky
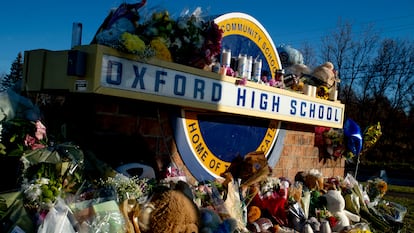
{"type": "Point", "coordinates": [47, 24]}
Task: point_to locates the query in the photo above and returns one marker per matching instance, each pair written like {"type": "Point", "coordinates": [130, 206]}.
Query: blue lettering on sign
{"type": "Point", "coordinates": [216, 92]}
{"type": "Point", "coordinates": [275, 105]}
{"type": "Point", "coordinates": [111, 66]}
{"type": "Point", "coordinates": [263, 101]}
{"type": "Point", "coordinates": [329, 114]}
{"type": "Point", "coordinates": [139, 77]}
{"type": "Point", "coordinates": [179, 79]}
{"type": "Point", "coordinates": [241, 97]}
{"type": "Point", "coordinates": [199, 86]}
{"type": "Point", "coordinates": [321, 110]}
{"type": "Point", "coordinates": [302, 109]}
{"type": "Point", "coordinates": [293, 107]}
{"type": "Point", "coordinates": [158, 80]}
{"type": "Point", "coordinates": [252, 100]}
{"type": "Point", "coordinates": [305, 109]}
{"type": "Point", "coordinates": [312, 110]}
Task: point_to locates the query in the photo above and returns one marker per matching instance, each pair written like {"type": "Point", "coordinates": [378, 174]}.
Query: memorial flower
{"type": "Point", "coordinates": [161, 50]}
{"type": "Point", "coordinates": [132, 43]}
{"type": "Point", "coordinates": [19, 135]}
{"type": "Point", "coordinates": [129, 187]}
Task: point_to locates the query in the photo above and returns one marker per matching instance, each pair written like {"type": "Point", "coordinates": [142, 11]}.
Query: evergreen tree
{"type": "Point", "coordinates": [16, 73]}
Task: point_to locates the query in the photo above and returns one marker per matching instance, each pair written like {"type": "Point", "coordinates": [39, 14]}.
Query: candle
{"type": "Point", "coordinates": [257, 70]}
{"type": "Point", "coordinates": [226, 58]}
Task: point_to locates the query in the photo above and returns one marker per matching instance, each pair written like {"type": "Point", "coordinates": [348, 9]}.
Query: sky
{"type": "Point", "coordinates": [47, 24]}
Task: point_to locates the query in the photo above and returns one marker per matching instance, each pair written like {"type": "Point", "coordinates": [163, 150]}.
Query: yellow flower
{"type": "Point", "coordinates": [132, 43]}
{"type": "Point", "coordinates": [322, 92]}
{"type": "Point", "coordinates": [161, 49]}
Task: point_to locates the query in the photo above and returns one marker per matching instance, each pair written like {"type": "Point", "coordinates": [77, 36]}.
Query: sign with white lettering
{"type": "Point", "coordinates": [166, 85]}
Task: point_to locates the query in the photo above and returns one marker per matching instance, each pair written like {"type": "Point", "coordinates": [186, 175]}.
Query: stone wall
{"type": "Point", "coordinates": [121, 130]}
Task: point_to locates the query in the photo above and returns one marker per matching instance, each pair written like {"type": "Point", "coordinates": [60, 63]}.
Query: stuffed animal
{"type": "Point", "coordinates": [258, 223]}
{"type": "Point", "coordinates": [211, 222]}
{"type": "Point", "coordinates": [293, 76]}
{"type": "Point", "coordinates": [169, 211]}
{"type": "Point", "coordinates": [289, 56]}
{"type": "Point", "coordinates": [313, 180]}
{"type": "Point", "coordinates": [274, 203]}
{"type": "Point", "coordinates": [264, 225]}
{"type": "Point", "coordinates": [335, 204]}
{"type": "Point", "coordinates": [326, 74]}
{"type": "Point", "coordinates": [313, 188]}
{"type": "Point", "coordinates": [253, 213]}
{"type": "Point", "coordinates": [324, 77]}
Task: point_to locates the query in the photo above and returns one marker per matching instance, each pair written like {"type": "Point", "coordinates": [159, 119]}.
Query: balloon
{"type": "Point", "coordinates": [353, 136]}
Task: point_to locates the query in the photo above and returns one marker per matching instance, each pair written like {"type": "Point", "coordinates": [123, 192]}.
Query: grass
{"type": "Point", "coordinates": [404, 196]}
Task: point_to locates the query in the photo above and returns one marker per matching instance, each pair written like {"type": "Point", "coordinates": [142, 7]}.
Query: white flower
{"type": "Point", "coordinates": [43, 181]}
{"type": "Point", "coordinates": [32, 191]}
{"type": "Point", "coordinates": [269, 185]}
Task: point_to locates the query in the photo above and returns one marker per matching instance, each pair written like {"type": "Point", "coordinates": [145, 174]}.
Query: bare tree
{"type": "Point", "coordinates": [309, 55]}
{"type": "Point", "coordinates": [377, 85]}
{"type": "Point", "coordinates": [351, 54]}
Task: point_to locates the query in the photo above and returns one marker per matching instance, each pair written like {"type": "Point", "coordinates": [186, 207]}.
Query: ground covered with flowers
{"type": "Point", "coordinates": [62, 188]}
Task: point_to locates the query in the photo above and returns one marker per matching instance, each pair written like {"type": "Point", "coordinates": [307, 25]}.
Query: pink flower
{"type": "Point", "coordinates": [40, 130]}
{"type": "Point", "coordinates": [29, 140]}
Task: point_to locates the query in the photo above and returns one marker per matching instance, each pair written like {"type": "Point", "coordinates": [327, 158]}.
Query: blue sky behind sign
{"type": "Point", "coordinates": [47, 24]}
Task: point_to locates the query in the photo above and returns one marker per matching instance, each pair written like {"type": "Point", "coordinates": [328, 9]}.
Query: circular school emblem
{"type": "Point", "coordinates": [209, 141]}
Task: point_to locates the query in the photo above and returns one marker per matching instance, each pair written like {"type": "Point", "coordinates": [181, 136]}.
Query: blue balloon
{"type": "Point", "coordinates": [353, 136]}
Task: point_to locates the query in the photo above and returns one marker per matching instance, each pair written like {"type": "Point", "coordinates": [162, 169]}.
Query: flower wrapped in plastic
{"type": "Point", "coordinates": [50, 173]}
{"type": "Point", "coordinates": [20, 135]}
{"type": "Point", "coordinates": [376, 189]}
{"type": "Point", "coordinates": [190, 39]}
{"type": "Point", "coordinates": [330, 141]}
{"type": "Point", "coordinates": [160, 49]}
{"type": "Point", "coordinates": [132, 43]}
{"type": "Point", "coordinates": [371, 136]}
{"type": "Point", "coordinates": [129, 187]}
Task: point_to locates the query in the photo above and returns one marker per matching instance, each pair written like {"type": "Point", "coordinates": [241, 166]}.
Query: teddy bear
{"type": "Point", "coordinates": [325, 73]}
{"type": "Point", "coordinates": [325, 78]}
{"type": "Point", "coordinates": [256, 222]}
{"type": "Point", "coordinates": [335, 204]}
{"type": "Point", "coordinates": [169, 210]}
{"type": "Point", "coordinates": [313, 187]}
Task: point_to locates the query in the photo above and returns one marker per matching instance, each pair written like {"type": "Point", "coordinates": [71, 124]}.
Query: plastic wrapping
{"type": "Point", "coordinates": [57, 220]}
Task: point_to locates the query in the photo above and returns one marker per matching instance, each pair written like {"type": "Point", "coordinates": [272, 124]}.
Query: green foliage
{"type": "Point", "coordinates": [15, 75]}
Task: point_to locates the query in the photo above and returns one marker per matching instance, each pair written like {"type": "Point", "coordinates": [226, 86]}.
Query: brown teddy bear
{"type": "Point", "coordinates": [325, 73]}
{"type": "Point", "coordinates": [169, 211]}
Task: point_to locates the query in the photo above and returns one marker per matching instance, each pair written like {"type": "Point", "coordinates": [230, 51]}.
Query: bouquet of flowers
{"type": "Point", "coordinates": [330, 141]}
{"type": "Point", "coordinates": [129, 188]}
{"type": "Point", "coordinates": [189, 40]}
{"type": "Point", "coordinates": [18, 135]}
{"type": "Point", "coordinates": [376, 189]}
{"type": "Point", "coordinates": [50, 173]}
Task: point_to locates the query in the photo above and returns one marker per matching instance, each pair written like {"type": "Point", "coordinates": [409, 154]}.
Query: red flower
{"type": "Point", "coordinates": [332, 221]}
